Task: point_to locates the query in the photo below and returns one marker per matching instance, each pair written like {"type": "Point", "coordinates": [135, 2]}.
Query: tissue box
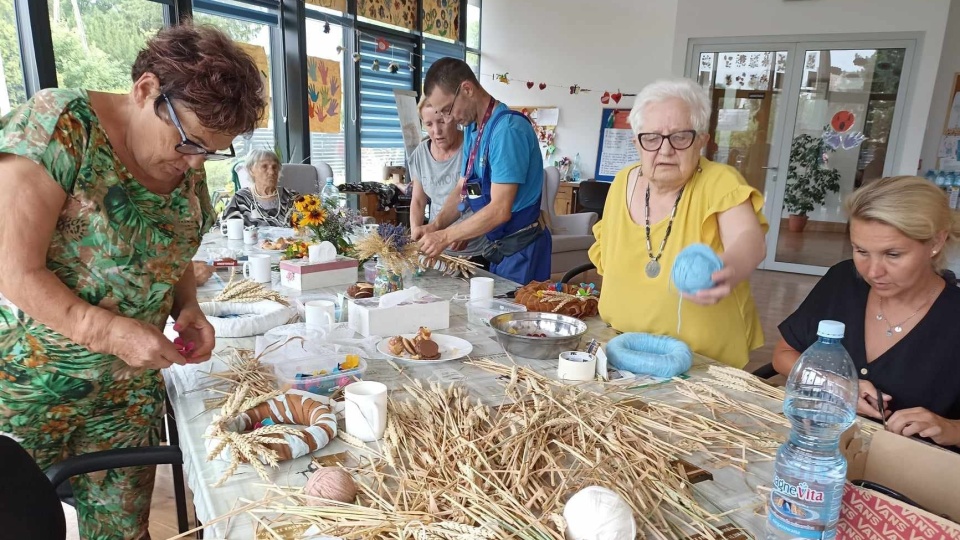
{"type": "Point", "coordinates": [369, 319]}
{"type": "Point", "coordinates": [303, 275]}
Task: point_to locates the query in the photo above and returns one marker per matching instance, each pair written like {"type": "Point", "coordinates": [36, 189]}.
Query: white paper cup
{"type": "Point", "coordinates": [233, 228]}
{"type": "Point", "coordinates": [577, 366]}
{"type": "Point", "coordinates": [257, 268]}
{"type": "Point", "coordinates": [481, 288]}
{"type": "Point", "coordinates": [320, 314]}
{"type": "Point", "coordinates": [250, 235]}
{"type": "Point", "coordinates": [365, 410]}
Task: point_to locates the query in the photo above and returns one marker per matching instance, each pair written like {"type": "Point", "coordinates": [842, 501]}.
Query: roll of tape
{"type": "Point", "coordinates": [577, 366]}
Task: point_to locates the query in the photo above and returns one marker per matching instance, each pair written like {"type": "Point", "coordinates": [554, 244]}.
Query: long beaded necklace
{"type": "Point", "coordinates": [256, 203]}
{"type": "Point", "coordinates": [898, 328]}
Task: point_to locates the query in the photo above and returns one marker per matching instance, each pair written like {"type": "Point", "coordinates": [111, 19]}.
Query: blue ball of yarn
{"type": "Point", "coordinates": [693, 267]}
{"type": "Point", "coordinates": [660, 356]}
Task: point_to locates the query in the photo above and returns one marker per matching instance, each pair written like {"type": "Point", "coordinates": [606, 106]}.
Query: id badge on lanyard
{"type": "Point", "coordinates": [468, 173]}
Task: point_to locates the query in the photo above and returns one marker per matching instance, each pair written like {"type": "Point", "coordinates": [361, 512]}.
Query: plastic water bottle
{"type": "Point", "coordinates": [575, 174]}
{"type": "Point", "coordinates": [931, 176]}
{"type": "Point", "coordinates": [809, 473]}
{"type": "Point", "coordinates": [330, 195]}
{"type": "Point", "coordinates": [941, 181]}
{"type": "Point", "coordinates": [954, 180]}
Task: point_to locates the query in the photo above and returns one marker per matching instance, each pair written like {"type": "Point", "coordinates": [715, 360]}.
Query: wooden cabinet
{"type": "Point", "coordinates": [367, 204]}
{"type": "Point", "coordinates": [566, 201]}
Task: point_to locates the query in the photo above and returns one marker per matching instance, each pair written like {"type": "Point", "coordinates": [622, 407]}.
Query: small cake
{"type": "Point", "coordinates": [427, 349]}
{"type": "Point", "coordinates": [396, 345]}
{"type": "Point", "coordinates": [360, 290]}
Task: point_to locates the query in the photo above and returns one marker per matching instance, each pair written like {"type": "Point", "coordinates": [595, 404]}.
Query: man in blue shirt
{"type": "Point", "coordinates": [502, 178]}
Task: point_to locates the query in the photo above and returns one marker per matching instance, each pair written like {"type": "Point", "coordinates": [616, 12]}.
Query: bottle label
{"type": "Point", "coordinates": [796, 509]}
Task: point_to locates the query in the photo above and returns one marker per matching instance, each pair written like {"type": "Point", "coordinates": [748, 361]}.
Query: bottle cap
{"type": "Point", "coordinates": [329, 179]}
{"type": "Point", "coordinates": [831, 329]}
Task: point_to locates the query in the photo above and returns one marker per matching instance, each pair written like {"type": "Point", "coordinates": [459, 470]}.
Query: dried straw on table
{"type": "Point", "coordinates": [244, 290]}
{"type": "Point", "coordinates": [506, 472]}
{"type": "Point", "coordinates": [243, 368]}
{"type": "Point", "coordinates": [449, 265]}
{"type": "Point", "coordinates": [374, 245]}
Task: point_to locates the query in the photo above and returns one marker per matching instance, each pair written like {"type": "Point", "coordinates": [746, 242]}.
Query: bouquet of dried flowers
{"type": "Point", "coordinates": [392, 245]}
{"type": "Point", "coordinates": [325, 222]}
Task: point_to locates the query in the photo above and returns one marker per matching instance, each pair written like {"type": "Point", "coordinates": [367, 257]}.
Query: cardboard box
{"type": "Point", "coordinates": [369, 319]}
{"type": "Point", "coordinates": [303, 275]}
{"type": "Point", "coordinates": [926, 474]}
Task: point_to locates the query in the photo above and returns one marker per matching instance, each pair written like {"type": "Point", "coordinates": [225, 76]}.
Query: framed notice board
{"type": "Point", "coordinates": [616, 149]}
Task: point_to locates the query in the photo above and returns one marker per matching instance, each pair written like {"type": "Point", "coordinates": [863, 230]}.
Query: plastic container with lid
{"type": "Point", "coordinates": [319, 375]}
{"type": "Point", "coordinates": [481, 310]}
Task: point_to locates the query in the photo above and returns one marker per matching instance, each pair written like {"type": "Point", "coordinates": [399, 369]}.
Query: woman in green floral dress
{"type": "Point", "coordinates": [105, 202]}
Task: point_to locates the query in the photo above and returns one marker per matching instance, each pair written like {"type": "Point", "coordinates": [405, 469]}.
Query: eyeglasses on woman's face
{"type": "Point", "coordinates": [188, 147]}
{"type": "Point", "coordinates": [681, 140]}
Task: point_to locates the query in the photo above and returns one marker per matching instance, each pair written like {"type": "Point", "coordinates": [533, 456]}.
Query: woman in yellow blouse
{"type": "Point", "coordinates": [671, 199]}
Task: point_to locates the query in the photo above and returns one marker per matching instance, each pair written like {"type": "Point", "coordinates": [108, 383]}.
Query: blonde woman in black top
{"type": "Point", "coordinates": [900, 307]}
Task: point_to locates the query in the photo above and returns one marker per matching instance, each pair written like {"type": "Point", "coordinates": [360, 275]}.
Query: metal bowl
{"type": "Point", "coordinates": [563, 333]}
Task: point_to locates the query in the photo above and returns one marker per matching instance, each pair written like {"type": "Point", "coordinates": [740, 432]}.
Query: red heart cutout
{"type": "Point", "coordinates": [605, 98]}
{"type": "Point", "coordinates": [616, 97]}
{"type": "Point", "coordinates": [382, 45]}
{"type": "Point", "coordinates": [529, 84]}
{"type": "Point", "coordinates": [543, 85]}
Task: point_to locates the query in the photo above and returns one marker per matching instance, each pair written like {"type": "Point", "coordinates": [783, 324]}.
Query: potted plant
{"type": "Point", "coordinates": [809, 179]}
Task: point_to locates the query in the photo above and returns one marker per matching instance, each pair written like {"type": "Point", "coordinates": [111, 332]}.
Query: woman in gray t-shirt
{"type": "Point", "coordinates": [435, 168]}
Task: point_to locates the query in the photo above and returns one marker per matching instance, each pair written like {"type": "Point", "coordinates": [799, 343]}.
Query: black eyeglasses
{"type": "Point", "coordinates": [681, 140]}
{"type": "Point", "coordinates": [448, 110]}
{"type": "Point", "coordinates": [188, 147]}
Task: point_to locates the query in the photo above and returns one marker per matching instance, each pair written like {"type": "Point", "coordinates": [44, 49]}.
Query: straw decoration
{"type": "Point", "coordinates": [244, 290]}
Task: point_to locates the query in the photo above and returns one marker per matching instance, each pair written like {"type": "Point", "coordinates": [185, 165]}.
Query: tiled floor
{"type": "Point", "coordinates": [816, 248]}
{"type": "Point", "coordinates": [777, 294]}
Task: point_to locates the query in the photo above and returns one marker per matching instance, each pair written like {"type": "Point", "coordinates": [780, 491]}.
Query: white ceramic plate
{"type": "Point", "coordinates": [451, 348]}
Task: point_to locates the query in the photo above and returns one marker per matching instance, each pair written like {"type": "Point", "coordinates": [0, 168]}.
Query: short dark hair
{"type": "Point", "coordinates": [205, 71]}
{"type": "Point", "coordinates": [448, 73]}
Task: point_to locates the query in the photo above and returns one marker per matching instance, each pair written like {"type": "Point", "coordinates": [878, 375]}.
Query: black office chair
{"type": "Point", "coordinates": [576, 271]}
{"type": "Point", "coordinates": [765, 371]}
{"type": "Point", "coordinates": [592, 196]}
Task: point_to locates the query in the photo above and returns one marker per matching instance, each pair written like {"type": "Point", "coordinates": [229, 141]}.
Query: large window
{"type": "Point", "coordinates": [381, 138]}
{"type": "Point", "coordinates": [325, 95]}
{"type": "Point", "coordinates": [473, 35]}
{"type": "Point", "coordinates": [12, 90]}
{"type": "Point", "coordinates": [255, 39]}
{"type": "Point", "coordinates": [96, 41]}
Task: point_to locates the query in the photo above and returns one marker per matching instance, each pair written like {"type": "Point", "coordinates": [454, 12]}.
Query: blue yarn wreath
{"type": "Point", "coordinates": [660, 356]}
{"type": "Point", "coordinates": [693, 267]}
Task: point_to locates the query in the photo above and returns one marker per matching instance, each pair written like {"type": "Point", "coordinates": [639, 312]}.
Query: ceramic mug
{"type": "Point", "coordinates": [233, 228]}
{"type": "Point", "coordinates": [365, 410]}
{"type": "Point", "coordinates": [320, 313]}
{"type": "Point", "coordinates": [257, 268]}
{"type": "Point", "coordinates": [250, 235]}
{"type": "Point", "coordinates": [481, 288]}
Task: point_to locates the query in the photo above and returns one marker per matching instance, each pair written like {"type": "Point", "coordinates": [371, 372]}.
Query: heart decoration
{"type": "Point", "coordinates": [382, 45]}
{"type": "Point", "coordinates": [529, 84]}
{"type": "Point", "coordinates": [617, 96]}
{"type": "Point", "coordinates": [543, 85]}
{"type": "Point", "coordinates": [605, 98]}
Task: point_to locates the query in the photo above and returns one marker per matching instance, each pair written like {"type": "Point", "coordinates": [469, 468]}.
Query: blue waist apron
{"type": "Point", "coordinates": [519, 249]}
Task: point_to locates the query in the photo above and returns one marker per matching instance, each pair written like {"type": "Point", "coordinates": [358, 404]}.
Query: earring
{"type": "Point", "coordinates": [934, 252]}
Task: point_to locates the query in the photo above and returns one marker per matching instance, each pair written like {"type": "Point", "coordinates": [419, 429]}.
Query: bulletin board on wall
{"type": "Point", "coordinates": [544, 119]}
{"type": "Point", "coordinates": [948, 155]}
{"type": "Point", "coordinates": [616, 149]}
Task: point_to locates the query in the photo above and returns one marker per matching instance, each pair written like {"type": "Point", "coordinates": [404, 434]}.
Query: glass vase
{"type": "Point", "coordinates": [386, 281]}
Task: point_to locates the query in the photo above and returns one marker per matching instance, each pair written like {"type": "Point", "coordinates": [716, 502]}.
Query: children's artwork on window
{"type": "Point", "coordinates": [402, 13]}
{"type": "Point", "coordinates": [259, 55]}
{"type": "Point", "coordinates": [324, 95]}
{"type": "Point", "coordinates": [442, 18]}
{"type": "Point", "coordinates": [338, 5]}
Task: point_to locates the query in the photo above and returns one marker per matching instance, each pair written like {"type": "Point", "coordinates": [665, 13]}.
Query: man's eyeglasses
{"type": "Point", "coordinates": [448, 110]}
{"type": "Point", "coordinates": [188, 147]}
{"type": "Point", "coordinates": [681, 140]}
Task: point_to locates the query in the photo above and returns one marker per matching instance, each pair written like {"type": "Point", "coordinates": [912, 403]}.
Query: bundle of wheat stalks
{"type": "Point", "coordinates": [452, 467]}
{"type": "Point", "coordinates": [244, 290]}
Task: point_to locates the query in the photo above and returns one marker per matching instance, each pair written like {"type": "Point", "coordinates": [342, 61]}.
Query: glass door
{"type": "Point", "coordinates": [746, 88]}
{"type": "Point", "coordinates": [846, 110]}
{"type": "Point", "coordinates": [806, 123]}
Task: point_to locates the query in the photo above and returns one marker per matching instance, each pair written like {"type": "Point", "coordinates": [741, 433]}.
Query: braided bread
{"type": "Point", "coordinates": [542, 296]}
{"type": "Point", "coordinates": [307, 412]}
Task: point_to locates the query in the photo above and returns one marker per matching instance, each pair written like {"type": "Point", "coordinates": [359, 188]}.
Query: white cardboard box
{"type": "Point", "coordinates": [303, 275]}
{"type": "Point", "coordinates": [369, 319]}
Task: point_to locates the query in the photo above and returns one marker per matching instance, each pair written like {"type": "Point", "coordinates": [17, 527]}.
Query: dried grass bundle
{"type": "Point", "coordinates": [243, 368]}
{"type": "Point", "coordinates": [449, 265]}
{"type": "Point", "coordinates": [244, 290]}
{"type": "Point", "coordinates": [392, 246]}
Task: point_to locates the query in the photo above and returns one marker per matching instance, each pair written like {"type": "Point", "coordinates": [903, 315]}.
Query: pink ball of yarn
{"type": "Point", "coordinates": [330, 483]}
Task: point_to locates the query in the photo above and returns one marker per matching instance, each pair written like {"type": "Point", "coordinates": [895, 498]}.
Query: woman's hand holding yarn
{"type": "Point", "coordinates": [708, 297]}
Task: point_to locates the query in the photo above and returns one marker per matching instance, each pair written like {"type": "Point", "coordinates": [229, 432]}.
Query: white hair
{"type": "Point", "coordinates": [257, 155]}
{"type": "Point", "coordinates": [684, 89]}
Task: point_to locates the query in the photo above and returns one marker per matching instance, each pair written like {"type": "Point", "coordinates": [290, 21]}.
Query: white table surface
{"type": "Point", "coordinates": [731, 488]}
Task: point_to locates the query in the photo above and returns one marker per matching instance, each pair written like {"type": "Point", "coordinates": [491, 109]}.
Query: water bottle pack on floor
{"type": "Point", "coordinates": [809, 474]}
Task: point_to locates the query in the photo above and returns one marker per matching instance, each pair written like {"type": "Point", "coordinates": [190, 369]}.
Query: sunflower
{"type": "Point", "coordinates": [313, 218]}
{"type": "Point", "coordinates": [306, 203]}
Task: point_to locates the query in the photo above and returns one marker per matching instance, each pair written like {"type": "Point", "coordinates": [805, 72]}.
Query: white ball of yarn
{"type": "Point", "coordinates": [597, 513]}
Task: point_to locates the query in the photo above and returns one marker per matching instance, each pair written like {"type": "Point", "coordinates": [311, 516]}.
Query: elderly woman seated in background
{"type": "Point", "coordinates": [899, 307]}
{"type": "Point", "coordinates": [265, 204]}
{"type": "Point", "coordinates": [435, 168]}
{"type": "Point", "coordinates": [671, 199]}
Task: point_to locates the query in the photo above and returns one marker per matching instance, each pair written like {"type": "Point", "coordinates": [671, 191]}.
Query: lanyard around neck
{"type": "Point", "coordinates": [476, 144]}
